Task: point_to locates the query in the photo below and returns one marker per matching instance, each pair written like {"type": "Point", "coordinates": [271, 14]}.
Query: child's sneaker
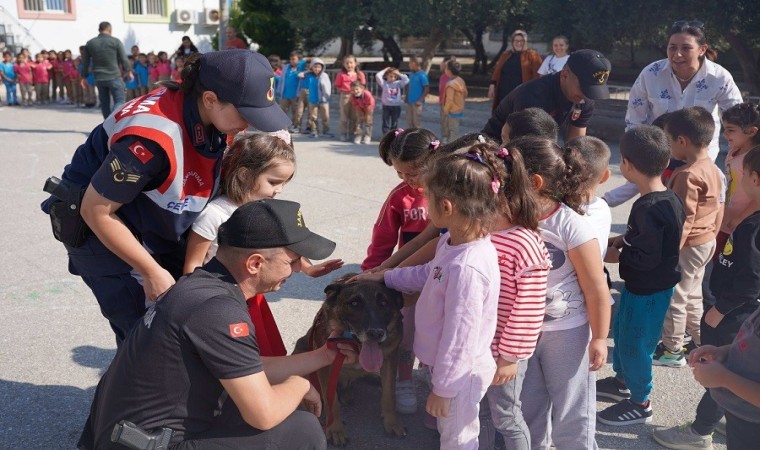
{"type": "Point", "coordinates": [358, 139]}
{"type": "Point", "coordinates": [664, 357]}
{"type": "Point", "coordinates": [367, 140]}
{"type": "Point", "coordinates": [689, 347]}
{"type": "Point", "coordinates": [344, 137]}
{"type": "Point", "coordinates": [314, 134]}
{"type": "Point", "coordinates": [611, 388]}
{"type": "Point", "coordinates": [720, 427]}
{"type": "Point", "coordinates": [682, 437]}
{"type": "Point", "coordinates": [626, 413]}
{"type": "Point", "coordinates": [406, 397]}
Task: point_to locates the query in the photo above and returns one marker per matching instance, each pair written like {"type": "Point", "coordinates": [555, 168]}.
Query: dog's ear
{"type": "Point", "coordinates": [331, 292]}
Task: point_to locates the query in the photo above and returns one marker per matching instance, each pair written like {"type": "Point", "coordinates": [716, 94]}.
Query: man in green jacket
{"type": "Point", "coordinates": [109, 64]}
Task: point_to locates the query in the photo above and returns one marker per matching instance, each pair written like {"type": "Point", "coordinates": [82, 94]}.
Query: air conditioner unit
{"type": "Point", "coordinates": [185, 17]}
{"type": "Point", "coordinates": [212, 16]}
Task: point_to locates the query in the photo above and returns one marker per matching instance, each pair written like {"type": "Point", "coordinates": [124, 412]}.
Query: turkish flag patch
{"type": "Point", "coordinates": [239, 330]}
{"type": "Point", "coordinates": [142, 153]}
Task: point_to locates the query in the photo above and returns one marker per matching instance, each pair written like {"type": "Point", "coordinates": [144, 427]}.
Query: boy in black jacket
{"type": "Point", "coordinates": [735, 283]}
{"type": "Point", "coordinates": [648, 256]}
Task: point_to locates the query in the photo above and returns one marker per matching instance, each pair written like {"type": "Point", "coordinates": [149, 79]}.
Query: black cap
{"type": "Point", "coordinates": [271, 223]}
{"type": "Point", "coordinates": [245, 79]}
{"type": "Point", "coordinates": [592, 70]}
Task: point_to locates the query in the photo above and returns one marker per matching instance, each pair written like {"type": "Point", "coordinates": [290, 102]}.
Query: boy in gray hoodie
{"type": "Point", "coordinates": [320, 89]}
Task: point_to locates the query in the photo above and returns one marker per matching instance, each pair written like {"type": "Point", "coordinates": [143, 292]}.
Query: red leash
{"type": "Point", "coordinates": [337, 365]}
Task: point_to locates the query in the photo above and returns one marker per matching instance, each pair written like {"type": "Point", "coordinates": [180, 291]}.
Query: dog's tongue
{"type": "Point", "coordinates": [371, 356]}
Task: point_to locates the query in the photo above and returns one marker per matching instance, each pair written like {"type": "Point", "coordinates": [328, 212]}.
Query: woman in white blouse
{"type": "Point", "coordinates": [557, 59]}
{"type": "Point", "coordinates": [687, 77]}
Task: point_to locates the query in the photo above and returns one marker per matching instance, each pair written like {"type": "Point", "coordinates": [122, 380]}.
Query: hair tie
{"type": "Point", "coordinates": [495, 185]}
{"type": "Point", "coordinates": [475, 157]}
{"type": "Point", "coordinates": [481, 139]}
{"type": "Point", "coordinates": [398, 131]}
{"type": "Point", "coordinates": [503, 153]}
{"type": "Point", "coordinates": [282, 134]}
{"type": "Point", "coordinates": [435, 144]}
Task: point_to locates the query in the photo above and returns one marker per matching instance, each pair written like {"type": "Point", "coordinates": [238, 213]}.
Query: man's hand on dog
{"type": "Point", "coordinates": [437, 406]}
{"type": "Point", "coordinates": [352, 357]}
{"type": "Point", "coordinates": [506, 371]}
{"type": "Point", "coordinates": [312, 401]}
{"type": "Point", "coordinates": [378, 276]}
{"type": "Point", "coordinates": [321, 269]}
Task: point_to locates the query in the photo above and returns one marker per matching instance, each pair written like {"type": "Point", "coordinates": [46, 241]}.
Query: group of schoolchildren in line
{"type": "Point", "coordinates": [303, 86]}
{"type": "Point", "coordinates": [56, 77]}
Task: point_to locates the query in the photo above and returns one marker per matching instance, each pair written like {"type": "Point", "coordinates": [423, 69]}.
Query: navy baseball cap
{"type": "Point", "coordinates": [592, 70]}
{"type": "Point", "coordinates": [272, 223]}
{"type": "Point", "coordinates": [245, 79]}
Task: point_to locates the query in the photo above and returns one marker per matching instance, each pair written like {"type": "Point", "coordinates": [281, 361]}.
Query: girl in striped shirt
{"type": "Point", "coordinates": [524, 267]}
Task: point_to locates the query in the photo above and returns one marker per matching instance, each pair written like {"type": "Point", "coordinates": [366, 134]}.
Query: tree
{"type": "Point", "coordinates": [480, 16]}
{"type": "Point", "coordinates": [262, 21]}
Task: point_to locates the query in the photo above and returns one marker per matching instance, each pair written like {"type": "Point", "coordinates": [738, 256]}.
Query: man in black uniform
{"type": "Point", "coordinates": [568, 96]}
{"type": "Point", "coordinates": [196, 347]}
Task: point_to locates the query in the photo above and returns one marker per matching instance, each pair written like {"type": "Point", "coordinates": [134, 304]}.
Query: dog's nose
{"type": "Point", "coordinates": [376, 334]}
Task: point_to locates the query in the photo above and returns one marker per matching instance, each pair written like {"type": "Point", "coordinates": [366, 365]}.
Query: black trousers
{"type": "Point", "coordinates": [390, 118]}
{"type": "Point", "coordinates": [740, 434]}
{"type": "Point", "coordinates": [300, 431]}
{"type": "Point", "coordinates": [709, 413]}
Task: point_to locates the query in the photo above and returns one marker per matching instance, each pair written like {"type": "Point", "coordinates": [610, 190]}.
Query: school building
{"type": "Point", "coordinates": [153, 25]}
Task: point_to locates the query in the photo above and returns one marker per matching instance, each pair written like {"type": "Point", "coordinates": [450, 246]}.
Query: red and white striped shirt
{"type": "Point", "coordinates": [524, 267]}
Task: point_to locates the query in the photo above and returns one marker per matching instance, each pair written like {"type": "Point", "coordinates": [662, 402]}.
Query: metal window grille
{"type": "Point", "coordinates": [147, 7]}
{"type": "Point", "coordinates": [54, 6]}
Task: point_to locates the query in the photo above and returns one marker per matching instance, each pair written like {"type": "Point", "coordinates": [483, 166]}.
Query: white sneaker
{"type": "Point", "coordinates": [406, 397]}
{"type": "Point", "coordinates": [367, 140]}
{"type": "Point", "coordinates": [358, 140]}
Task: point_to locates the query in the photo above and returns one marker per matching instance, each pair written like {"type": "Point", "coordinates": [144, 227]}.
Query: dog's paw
{"type": "Point", "coordinates": [394, 427]}
{"type": "Point", "coordinates": [336, 434]}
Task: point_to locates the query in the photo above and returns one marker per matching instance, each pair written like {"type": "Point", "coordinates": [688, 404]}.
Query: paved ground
{"type": "Point", "coordinates": [54, 344]}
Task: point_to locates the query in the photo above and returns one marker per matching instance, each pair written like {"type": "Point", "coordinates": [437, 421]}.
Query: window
{"type": "Point", "coordinates": [46, 9]}
{"type": "Point", "coordinates": [146, 11]}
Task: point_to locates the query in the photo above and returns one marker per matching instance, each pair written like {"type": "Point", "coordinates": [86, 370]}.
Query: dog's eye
{"type": "Point", "coordinates": [354, 303]}
{"type": "Point", "coordinates": [383, 303]}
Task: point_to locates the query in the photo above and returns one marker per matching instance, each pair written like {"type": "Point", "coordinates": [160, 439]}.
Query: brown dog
{"type": "Point", "coordinates": [371, 313]}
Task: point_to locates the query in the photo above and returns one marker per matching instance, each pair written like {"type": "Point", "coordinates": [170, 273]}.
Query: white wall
{"type": "Point", "coordinates": [70, 34]}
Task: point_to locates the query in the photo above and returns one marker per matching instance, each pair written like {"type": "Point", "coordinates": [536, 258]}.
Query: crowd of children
{"type": "Point", "coordinates": [56, 77]}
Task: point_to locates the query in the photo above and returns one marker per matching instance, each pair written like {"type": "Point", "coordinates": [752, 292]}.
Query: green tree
{"type": "Point", "coordinates": [263, 22]}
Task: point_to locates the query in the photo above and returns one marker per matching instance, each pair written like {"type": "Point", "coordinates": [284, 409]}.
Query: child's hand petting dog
{"type": "Point", "coordinates": [378, 277]}
{"type": "Point", "coordinates": [437, 406]}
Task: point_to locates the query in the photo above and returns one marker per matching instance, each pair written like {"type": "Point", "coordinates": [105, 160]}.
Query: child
{"type": "Point", "coordinates": [59, 81]}
{"type": "Point", "coordinates": [735, 283]}
{"type": "Point", "coordinates": [152, 71]}
{"type": "Point", "coordinates": [256, 166]}
{"type": "Point", "coordinates": [343, 84]}
{"type": "Point", "coordinates": [179, 63]}
{"type": "Point", "coordinates": [73, 78]}
{"type": "Point", "coordinates": [392, 82]}
{"type": "Point", "coordinates": [456, 94]}
{"type": "Point", "coordinates": [9, 79]}
{"type": "Point", "coordinates": [41, 68]}
{"type": "Point", "coordinates": [320, 89]}
{"type": "Point", "coordinates": [731, 371]}
{"type": "Point", "coordinates": [290, 88]}
{"type": "Point", "coordinates": [24, 78]}
{"type": "Point", "coordinates": [529, 122]}
{"type": "Point", "coordinates": [572, 346]}
{"type": "Point", "coordinates": [524, 265]}
{"type": "Point", "coordinates": [141, 73]}
{"type": "Point", "coordinates": [457, 308]}
{"type": "Point", "coordinates": [274, 61]}
{"type": "Point", "coordinates": [648, 256]}
{"type": "Point", "coordinates": [163, 67]}
{"type": "Point", "coordinates": [698, 183]}
{"type": "Point", "coordinates": [363, 107]}
{"type": "Point", "coordinates": [557, 59]}
{"type": "Point", "coordinates": [69, 78]}
{"type": "Point", "coordinates": [418, 89]}
{"type": "Point", "coordinates": [741, 128]}
{"type": "Point", "coordinates": [442, 80]}
{"type": "Point", "coordinates": [133, 85]}
{"type": "Point", "coordinates": [403, 215]}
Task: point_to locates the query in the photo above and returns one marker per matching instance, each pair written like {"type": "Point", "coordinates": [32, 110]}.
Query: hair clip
{"type": "Point", "coordinates": [435, 144]}
{"type": "Point", "coordinates": [282, 134]}
{"type": "Point", "coordinates": [495, 185]}
{"type": "Point", "coordinates": [475, 157]}
{"type": "Point", "coordinates": [503, 153]}
{"type": "Point", "coordinates": [481, 139]}
{"type": "Point", "coordinates": [398, 131]}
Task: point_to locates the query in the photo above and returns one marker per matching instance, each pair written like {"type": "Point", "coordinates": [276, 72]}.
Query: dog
{"type": "Point", "coordinates": [371, 313]}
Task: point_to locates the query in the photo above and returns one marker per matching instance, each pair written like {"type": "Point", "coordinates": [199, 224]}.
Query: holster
{"type": "Point", "coordinates": [68, 225]}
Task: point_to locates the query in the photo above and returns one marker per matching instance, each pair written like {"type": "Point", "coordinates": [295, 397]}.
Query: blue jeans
{"type": "Point", "coordinates": [10, 93]}
{"type": "Point", "coordinates": [636, 330]}
{"type": "Point", "coordinates": [108, 89]}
